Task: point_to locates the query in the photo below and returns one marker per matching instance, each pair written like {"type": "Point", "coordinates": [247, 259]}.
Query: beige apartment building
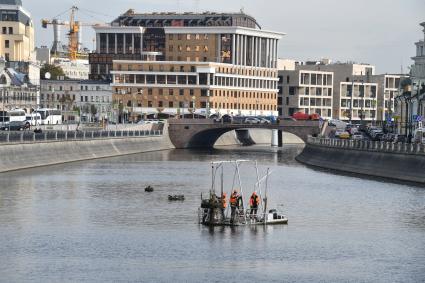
{"type": "Point", "coordinates": [189, 63]}
{"type": "Point", "coordinates": [16, 32]}
{"type": "Point", "coordinates": [306, 91]}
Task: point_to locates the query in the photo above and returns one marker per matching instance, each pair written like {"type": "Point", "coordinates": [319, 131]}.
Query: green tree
{"type": "Point", "coordinates": [55, 71]}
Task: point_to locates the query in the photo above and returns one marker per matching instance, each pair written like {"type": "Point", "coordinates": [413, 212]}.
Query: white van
{"type": "Point", "coordinates": [419, 136]}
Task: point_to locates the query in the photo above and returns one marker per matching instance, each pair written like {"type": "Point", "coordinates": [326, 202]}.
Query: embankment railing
{"type": "Point", "coordinates": [366, 145]}
{"type": "Point", "coordinates": [52, 136]}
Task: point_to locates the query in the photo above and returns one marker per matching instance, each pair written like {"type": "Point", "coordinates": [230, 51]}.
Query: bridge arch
{"type": "Point", "coordinates": [204, 134]}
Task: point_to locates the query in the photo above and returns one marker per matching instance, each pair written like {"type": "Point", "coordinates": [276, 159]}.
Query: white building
{"type": "Point", "coordinates": [418, 69]}
{"type": "Point", "coordinates": [355, 94]}
{"type": "Point", "coordinates": [91, 100]}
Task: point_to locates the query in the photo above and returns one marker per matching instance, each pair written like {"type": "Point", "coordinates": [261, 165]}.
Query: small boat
{"type": "Point", "coordinates": [214, 211]}
{"type": "Point", "coordinates": [176, 197]}
{"type": "Point", "coordinates": [149, 189]}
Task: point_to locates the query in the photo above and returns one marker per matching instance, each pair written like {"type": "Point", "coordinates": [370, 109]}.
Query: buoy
{"type": "Point", "coordinates": [149, 189]}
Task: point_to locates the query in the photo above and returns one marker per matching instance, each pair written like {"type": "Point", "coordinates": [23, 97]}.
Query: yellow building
{"type": "Point", "coordinates": [16, 32]}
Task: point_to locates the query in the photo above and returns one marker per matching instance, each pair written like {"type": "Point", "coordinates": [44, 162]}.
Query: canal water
{"type": "Point", "coordinates": [92, 221]}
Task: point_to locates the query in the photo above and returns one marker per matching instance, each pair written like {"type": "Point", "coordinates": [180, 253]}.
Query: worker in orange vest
{"type": "Point", "coordinates": [234, 197]}
{"type": "Point", "coordinates": [223, 205]}
{"type": "Point", "coordinates": [254, 202]}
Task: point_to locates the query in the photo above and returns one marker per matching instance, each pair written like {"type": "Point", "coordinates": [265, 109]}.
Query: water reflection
{"type": "Point", "coordinates": [93, 221]}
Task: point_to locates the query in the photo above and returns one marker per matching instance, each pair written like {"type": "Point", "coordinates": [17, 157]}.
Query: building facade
{"type": "Point", "coordinates": [306, 91]}
{"type": "Point", "coordinates": [410, 104]}
{"type": "Point", "coordinates": [17, 32]}
{"type": "Point", "coordinates": [179, 63]}
{"type": "Point", "coordinates": [78, 99]}
{"type": "Point", "coordinates": [355, 94]}
{"type": "Point", "coordinates": [16, 92]}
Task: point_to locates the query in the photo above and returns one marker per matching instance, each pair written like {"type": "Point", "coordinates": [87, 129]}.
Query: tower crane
{"type": "Point", "coordinates": [74, 42]}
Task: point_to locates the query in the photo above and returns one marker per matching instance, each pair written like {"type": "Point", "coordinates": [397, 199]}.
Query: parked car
{"type": "Point", "coordinates": [314, 117]}
{"type": "Point", "coordinates": [301, 116]}
{"type": "Point", "coordinates": [264, 121]}
{"type": "Point", "coordinates": [357, 137]}
{"type": "Point", "coordinates": [344, 135]}
{"type": "Point", "coordinates": [227, 118]}
{"type": "Point", "coordinates": [419, 136]}
{"type": "Point", "coordinates": [16, 126]}
{"type": "Point", "coordinates": [252, 120]}
{"type": "Point", "coordinates": [338, 133]}
{"type": "Point", "coordinates": [399, 138]}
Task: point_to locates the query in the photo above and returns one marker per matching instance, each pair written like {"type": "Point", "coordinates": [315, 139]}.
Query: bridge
{"type": "Point", "coordinates": [202, 133]}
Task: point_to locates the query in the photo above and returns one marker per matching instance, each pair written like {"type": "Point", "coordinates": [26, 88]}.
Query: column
{"type": "Point", "coordinates": [252, 51]}
{"type": "Point", "coordinates": [256, 52]}
{"type": "Point", "coordinates": [259, 52]}
{"type": "Point", "coordinates": [132, 43]}
{"type": "Point", "coordinates": [233, 48]}
{"type": "Point", "coordinates": [124, 43]}
{"type": "Point", "coordinates": [98, 42]}
{"type": "Point", "coordinates": [218, 48]}
{"type": "Point", "coordinates": [116, 44]}
{"type": "Point", "coordinates": [245, 49]}
{"type": "Point", "coordinates": [107, 43]}
{"type": "Point", "coordinates": [237, 45]}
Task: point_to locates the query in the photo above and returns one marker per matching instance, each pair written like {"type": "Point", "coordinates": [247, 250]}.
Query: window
{"type": "Point", "coordinates": [291, 90]}
{"type": "Point", "coordinates": [188, 36]}
{"type": "Point", "coordinates": [161, 92]}
{"type": "Point", "coordinates": [149, 91]}
{"type": "Point", "coordinates": [181, 91]}
{"type": "Point", "coordinates": [170, 37]}
{"type": "Point", "coordinates": [171, 48]}
{"type": "Point", "coordinates": [170, 104]}
{"type": "Point", "coordinates": [205, 48]}
{"type": "Point", "coordinates": [6, 44]}
{"type": "Point", "coordinates": [197, 36]}
{"type": "Point", "coordinates": [187, 47]}
{"type": "Point", "coordinates": [191, 92]}
{"type": "Point", "coordinates": [171, 91]}
{"type": "Point", "coordinates": [287, 79]}
{"type": "Point", "coordinates": [179, 37]}
{"type": "Point", "coordinates": [4, 30]}
{"type": "Point", "coordinates": [160, 104]}
{"type": "Point", "coordinates": [150, 104]}
{"type": "Point", "coordinates": [10, 30]}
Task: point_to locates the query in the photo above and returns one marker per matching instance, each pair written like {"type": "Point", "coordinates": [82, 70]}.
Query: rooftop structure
{"type": "Point", "coordinates": [171, 19]}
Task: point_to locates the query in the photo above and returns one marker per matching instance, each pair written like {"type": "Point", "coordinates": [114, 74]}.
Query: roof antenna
{"type": "Point", "coordinates": [242, 10]}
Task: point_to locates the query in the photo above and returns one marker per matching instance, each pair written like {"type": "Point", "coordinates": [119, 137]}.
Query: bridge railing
{"type": "Point", "coordinates": [52, 136]}
{"type": "Point", "coordinates": [366, 145]}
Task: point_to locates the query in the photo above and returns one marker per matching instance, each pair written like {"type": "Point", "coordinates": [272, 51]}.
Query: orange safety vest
{"type": "Point", "coordinates": [257, 200]}
{"type": "Point", "coordinates": [223, 201]}
{"type": "Point", "coordinates": [233, 199]}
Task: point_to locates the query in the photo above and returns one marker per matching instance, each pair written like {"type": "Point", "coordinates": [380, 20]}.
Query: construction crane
{"type": "Point", "coordinates": [74, 31]}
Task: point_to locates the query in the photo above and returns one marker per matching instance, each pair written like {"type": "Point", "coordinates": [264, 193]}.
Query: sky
{"type": "Point", "coordinates": [378, 32]}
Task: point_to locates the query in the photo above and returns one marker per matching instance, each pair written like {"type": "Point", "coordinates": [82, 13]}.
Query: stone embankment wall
{"type": "Point", "coordinates": [378, 160]}
{"type": "Point", "coordinates": [28, 155]}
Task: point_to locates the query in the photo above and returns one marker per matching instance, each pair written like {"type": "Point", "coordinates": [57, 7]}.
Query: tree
{"type": "Point", "coordinates": [55, 71]}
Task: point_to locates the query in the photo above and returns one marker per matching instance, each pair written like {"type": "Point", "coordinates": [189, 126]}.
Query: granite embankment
{"type": "Point", "coordinates": [400, 162]}
{"type": "Point", "coordinates": [16, 156]}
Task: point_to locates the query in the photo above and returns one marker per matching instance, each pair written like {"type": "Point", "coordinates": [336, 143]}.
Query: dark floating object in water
{"type": "Point", "coordinates": [176, 197]}
{"type": "Point", "coordinates": [149, 189]}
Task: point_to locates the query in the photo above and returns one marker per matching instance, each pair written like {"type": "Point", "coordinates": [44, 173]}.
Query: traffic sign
{"type": "Point", "coordinates": [419, 118]}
